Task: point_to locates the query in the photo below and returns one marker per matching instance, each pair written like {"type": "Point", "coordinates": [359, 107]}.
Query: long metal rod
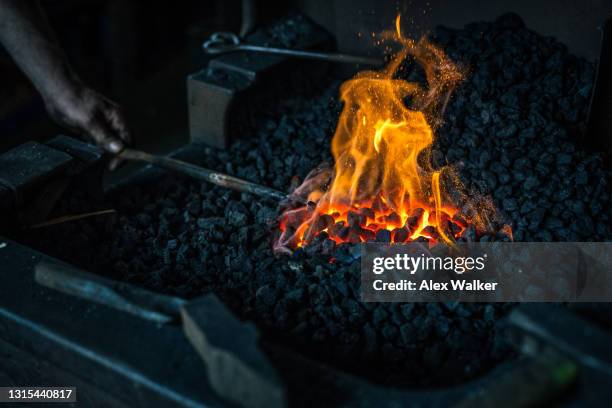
{"type": "Point", "coordinates": [314, 55]}
{"type": "Point", "coordinates": [204, 174]}
{"type": "Point", "coordinates": [224, 42]}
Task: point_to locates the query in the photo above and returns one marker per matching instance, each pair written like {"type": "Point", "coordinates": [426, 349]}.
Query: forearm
{"type": "Point", "coordinates": [25, 32]}
{"type": "Point", "coordinates": [27, 36]}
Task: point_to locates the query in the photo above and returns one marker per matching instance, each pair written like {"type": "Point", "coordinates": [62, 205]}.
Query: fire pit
{"type": "Point", "coordinates": [492, 157]}
{"type": "Point", "coordinates": [383, 186]}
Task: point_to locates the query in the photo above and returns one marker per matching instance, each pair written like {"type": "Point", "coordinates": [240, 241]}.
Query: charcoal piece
{"type": "Point", "coordinates": [172, 244]}
{"type": "Point", "coordinates": [504, 178]}
{"type": "Point", "coordinates": [366, 234]}
{"type": "Point", "coordinates": [208, 207]}
{"type": "Point", "coordinates": [339, 284]}
{"type": "Point", "coordinates": [459, 219]}
{"type": "Point", "coordinates": [266, 295]}
{"type": "Point", "coordinates": [400, 235]}
{"type": "Point", "coordinates": [414, 220]}
{"type": "Point", "coordinates": [437, 159]}
{"type": "Point", "coordinates": [315, 245]}
{"type": "Point", "coordinates": [531, 182]}
{"type": "Point", "coordinates": [355, 313]}
{"type": "Point", "coordinates": [562, 194]}
{"type": "Point", "coordinates": [383, 236]}
{"type": "Point", "coordinates": [564, 158]}
{"type": "Point", "coordinates": [553, 223]}
{"type": "Point", "coordinates": [504, 234]}
{"type": "Point", "coordinates": [536, 217]}
{"type": "Point", "coordinates": [325, 221]}
{"type": "Point", "coordinates": [584, 224]}
{"type": "Point", "coordinates": [396, 316]}
{"type": "Point", "coordinates": [355, 219]}
{"type": "Point", "coordinates": [295, 296]}
{"type": "Point", "coordinates": [431, 232]}
{"type": "Point", "coordinates": [527, 207]}
{"type": "Point", "coordinates": [392, 218]}
{"type": "Point", "coordinates": [469, 234]}
{"type": "Point", "coordinates": [507, 131]}
{"type": "Point", "coordinates": [344, 232]}
{"type": "Point", "coordinates": [294, 219]}
{"type": "Point", "coordinates": [453, 228]}
{"type": "Point", "coordinates": [295, 266]}
{"type": "Point", "coordinates": [322, 222]}
{"type": "Point", "coordinates": [328, 246]}
{"type": "Point", "coordinates": [510, 204]}
{"type": "Point", "coordinates": [265, 215]}
{"type": "Point", "coordinates": [236, 214]}
{"type": "Point", "coordinates": [489, 314]}
{"type": "Point", "coordinates": [581, 177]}
{"type": "Point", "coordinates": [367, 212]}
{"type": "Point", "coordinates": [448, 233]}
{"type": "Point", "coordinates": [486, 238]}
{"type": "Point", "coordinates": [334, 229]}
{"type": "Point", "coordinates": [379, 316]}
{"type": "Point", "coordinates": [194, 207]}
{"type": "Point", "coordinates": [183, 254]}
{"type": "Point", "coordinates": [353, 237]}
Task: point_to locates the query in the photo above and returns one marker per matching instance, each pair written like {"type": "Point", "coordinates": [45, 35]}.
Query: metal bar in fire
{"type": "Point", "coordinates": [204, 174]}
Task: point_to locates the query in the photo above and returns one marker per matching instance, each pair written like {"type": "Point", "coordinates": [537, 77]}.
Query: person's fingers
{"type": "Point", "coordinates": [117, 121]}
{"type": "Point", "coordinates": [94, 117]}
{"type": "Point", "coordinates": [102, 133]}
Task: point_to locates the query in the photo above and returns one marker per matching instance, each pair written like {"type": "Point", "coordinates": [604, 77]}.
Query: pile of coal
{"type": "Point", "coordinates": [511, 129]}
{"type": "Point", "coordinates": [363, 224]}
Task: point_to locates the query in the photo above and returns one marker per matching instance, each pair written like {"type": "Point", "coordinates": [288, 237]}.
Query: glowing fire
{"type": "Point", "coordinates": [380, 181]}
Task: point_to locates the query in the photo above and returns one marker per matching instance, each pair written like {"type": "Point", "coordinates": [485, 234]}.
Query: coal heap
{"type": "Point", "coordinates": [511, 130]}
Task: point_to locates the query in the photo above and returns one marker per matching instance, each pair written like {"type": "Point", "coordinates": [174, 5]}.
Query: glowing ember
{"type": "Point", "coordinates": [380, 181]}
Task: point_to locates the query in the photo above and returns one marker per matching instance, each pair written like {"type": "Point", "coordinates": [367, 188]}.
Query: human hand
{"type": "Point", "coordinates": [92, 115]}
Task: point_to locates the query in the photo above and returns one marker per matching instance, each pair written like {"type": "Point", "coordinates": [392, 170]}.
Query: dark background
{"type": "Point", "coordinates": [140, 53]}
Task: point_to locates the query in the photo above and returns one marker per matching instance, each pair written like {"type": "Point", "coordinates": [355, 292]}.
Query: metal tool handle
{"type": "Point", "coordinates": [225, 42]}
{"type": "Point", "coordinates": [140, 302]}
{"type": "Point", "coordinates": [201, 173]}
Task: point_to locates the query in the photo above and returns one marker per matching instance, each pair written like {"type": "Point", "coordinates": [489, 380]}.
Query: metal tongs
{"type": "Point", "coordinates": [225, 42]}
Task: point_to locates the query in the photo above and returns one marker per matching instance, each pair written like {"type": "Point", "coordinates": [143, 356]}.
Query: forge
{"type": "Point", "coordinates": [467, 135]}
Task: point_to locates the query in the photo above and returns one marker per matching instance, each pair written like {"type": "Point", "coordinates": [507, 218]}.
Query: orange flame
{"type": "Point", "coordinates": [377, 148]}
